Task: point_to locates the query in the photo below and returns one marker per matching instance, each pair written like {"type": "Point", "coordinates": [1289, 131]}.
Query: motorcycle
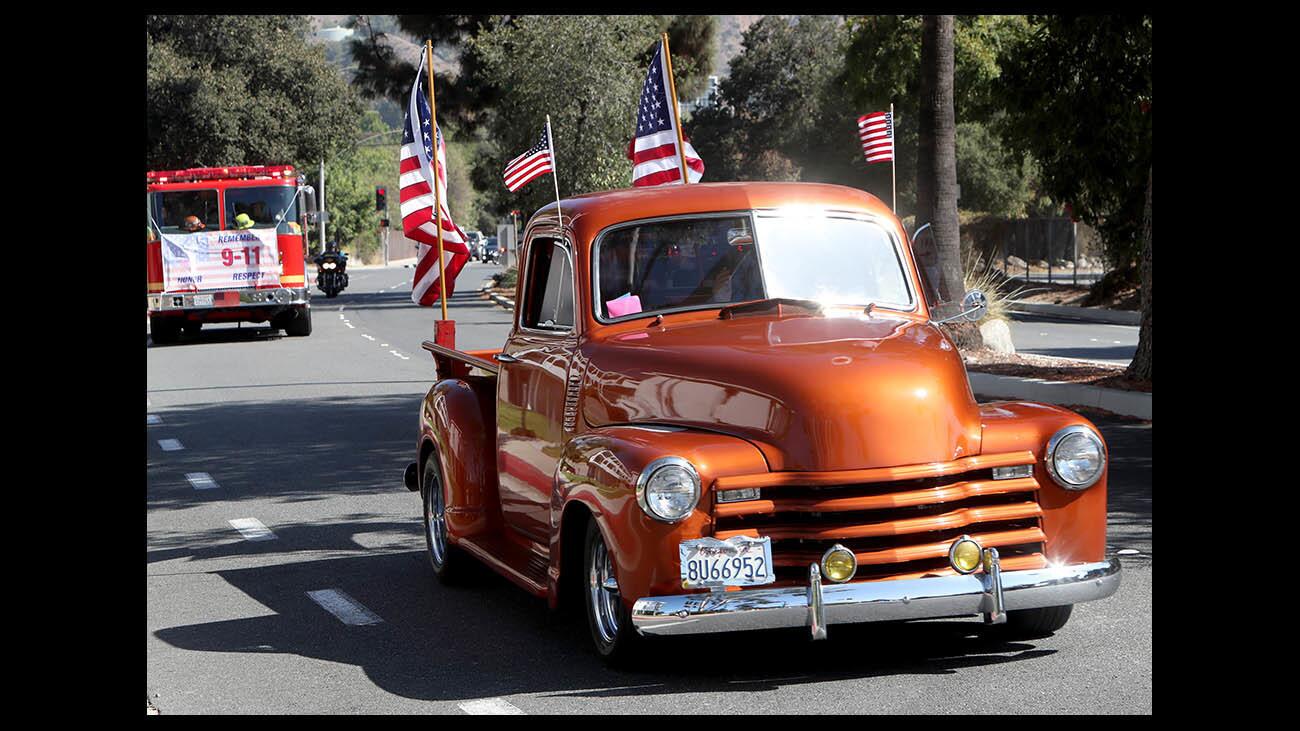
{"type": "Point", "coordinates": [331, 271]}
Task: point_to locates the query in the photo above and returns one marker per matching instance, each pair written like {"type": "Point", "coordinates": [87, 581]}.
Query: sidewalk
{"type": "Point", "coordinates": [1083, 314]}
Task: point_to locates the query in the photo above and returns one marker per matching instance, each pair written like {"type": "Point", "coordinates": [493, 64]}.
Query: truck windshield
{"type": "Point", "coordinates": [698, 263]}
{"type": "Point", "coordinates": [263, 205]}
{"type": "Point", "coordinates": [170, 209]}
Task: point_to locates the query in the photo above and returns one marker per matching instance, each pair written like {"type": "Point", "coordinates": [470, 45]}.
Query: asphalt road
{"type": "Point", "coordinates": [309, 436]}
{"type": "Point", "coordinates": [1074, 339]}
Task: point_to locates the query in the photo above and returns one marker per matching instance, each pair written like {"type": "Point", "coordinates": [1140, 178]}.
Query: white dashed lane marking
{"type": "Point", "coordinates": [367, 337]}
{"type": "Point", "coordinates": [201, 480]}
{"type": "Point", "coordinates": [491, 707]}
{"type": "Point", "coordinates": [153, 419]}
{"type": "Point", "coordinates": [344, 608]}
{"type": "Point", "coordinates": [252, 529]}
{"type": "Point", "coordinates": [171, 445]}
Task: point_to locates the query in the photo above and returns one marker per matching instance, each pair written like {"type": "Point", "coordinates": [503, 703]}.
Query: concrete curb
{"type": "Point", "coordinates": [1083, 314]}
{"type": "Point", "coordinates": [1127, 403]}
{"type": "Point", "coordinates": [507, 304]}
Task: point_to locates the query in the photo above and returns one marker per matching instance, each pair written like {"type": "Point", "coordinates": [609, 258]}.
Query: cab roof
{"type": "Point", "coordinates": [588, 214]}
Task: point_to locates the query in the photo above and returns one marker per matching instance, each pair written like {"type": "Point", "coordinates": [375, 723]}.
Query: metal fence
{"type": "Point", "coordinates": [1053, 250]}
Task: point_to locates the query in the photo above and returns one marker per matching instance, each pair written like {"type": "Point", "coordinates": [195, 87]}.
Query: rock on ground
{"type": "Point", "coordinates": [997, 336]}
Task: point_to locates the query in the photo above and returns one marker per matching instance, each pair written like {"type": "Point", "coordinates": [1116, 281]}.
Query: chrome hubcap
{"type": "Point", "coordinates": [602, 590]}
{"type": "Point", "coordinates": [435, 523]}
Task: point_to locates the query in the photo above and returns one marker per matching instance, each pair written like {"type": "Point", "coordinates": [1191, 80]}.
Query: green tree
{"type": "Point", "coordinates": [1140, 368]}
{"type": "Point", "coordinates": [583, 72]}
{"type": "Point", "coordinates": [230, 89]}
{"type": "Point", "coordinates": [1078, 95]}
{"type": "Point", "coordinates": [463, 96]}
{"type": "Point", "coordinates": [882, 66]}
{"type": "Point", "coordinates": [767, 124]}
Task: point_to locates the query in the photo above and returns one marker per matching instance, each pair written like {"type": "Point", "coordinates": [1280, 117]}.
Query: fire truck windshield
{"type": "Point", "coordinates": [263, 205]}
{"type": "Point", "coordinates": [170, 209]}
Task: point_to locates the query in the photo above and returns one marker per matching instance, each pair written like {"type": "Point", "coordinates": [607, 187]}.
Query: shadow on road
{"type": "Point", "coordinates": [439, 643]}
{"type": "Point", "coordinates": [286, 450]}
{"type": "Point", "coordinates": [492, 639]}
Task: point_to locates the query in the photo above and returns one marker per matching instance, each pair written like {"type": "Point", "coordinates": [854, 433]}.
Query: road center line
{"type": "Point", "coordinates": [152, 419]}
{"type": "Point", "coordinates": [201, 480]}
{"type": "Point", "coordinates": [171, 445]}
{"type": "Point", "coordinates": [252, 529]}
{"type": "Point", "coordinates": [490, 707]}
{"type": "Point", "coordinates": [344, 608]}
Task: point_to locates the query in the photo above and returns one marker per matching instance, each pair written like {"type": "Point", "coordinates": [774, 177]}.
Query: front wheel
{"type": "Point", "coordinates": [609, 620]}
{"type": "Point", "coordinates": [298, 323]}
{"type": "Point", "coordinates": [1031, 623]}
{"type": "Point", "coordinates": [164, 330]}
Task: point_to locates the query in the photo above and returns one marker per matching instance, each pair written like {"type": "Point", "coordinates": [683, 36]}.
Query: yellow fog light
{"type": "Point", "coordinates": [839, 564]}
{"type": "Point", "coordinates": [965, 555]}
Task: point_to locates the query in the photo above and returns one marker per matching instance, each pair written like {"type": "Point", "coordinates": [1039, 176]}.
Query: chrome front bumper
{"type": "Point", "coordinates": [990, 593]}
{"type": "Point", "coordinates": [247, 298]}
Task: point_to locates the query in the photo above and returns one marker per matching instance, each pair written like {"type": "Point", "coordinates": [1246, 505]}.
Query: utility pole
{"type": "Point", "coordinates": [321, 208]}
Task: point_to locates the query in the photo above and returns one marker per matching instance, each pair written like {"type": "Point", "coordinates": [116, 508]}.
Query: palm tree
{"type": "Point", "coordinates": [936, 170]}
{"type": "Point", "coordinates": [1140, 368]}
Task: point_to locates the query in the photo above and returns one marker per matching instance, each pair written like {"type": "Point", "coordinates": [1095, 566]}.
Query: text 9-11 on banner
{"type": "Point", "coordinates": [220, 259]}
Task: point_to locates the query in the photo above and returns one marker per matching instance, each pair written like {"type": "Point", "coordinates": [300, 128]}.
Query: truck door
{"type": "Point", "coordinates": [535, 364]}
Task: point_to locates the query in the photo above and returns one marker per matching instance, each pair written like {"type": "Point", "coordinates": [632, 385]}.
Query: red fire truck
{"type": "Point", "coordinates": [227, 245]}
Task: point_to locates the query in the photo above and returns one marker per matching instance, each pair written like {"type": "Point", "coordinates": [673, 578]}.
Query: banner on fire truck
{"type": "Point", "coordinates": [220, 259]}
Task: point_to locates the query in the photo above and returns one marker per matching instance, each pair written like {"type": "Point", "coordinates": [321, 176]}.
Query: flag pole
{"type": "Point", "coordinates": [677, 118]}
{"type": "Point", "coordinates": [555, 177]}
{"type": "Point", "coordinates": [893, 156]}
{"type": "Point", "coordinates": [437, 192]}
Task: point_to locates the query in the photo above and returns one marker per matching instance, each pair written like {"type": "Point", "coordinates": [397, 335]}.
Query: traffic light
{"type": "Point", "coordinates": [381, 198]}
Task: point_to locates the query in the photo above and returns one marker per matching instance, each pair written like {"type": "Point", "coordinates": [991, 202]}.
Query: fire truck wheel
{"type": "Point", "coordinates": [449, 563]}
{"type": "Point", "coordinates": [298, 323]}
{"type": "Point", "coordinates": [164, 331]}
{"type": "Point", "coordinates": [608, 619]}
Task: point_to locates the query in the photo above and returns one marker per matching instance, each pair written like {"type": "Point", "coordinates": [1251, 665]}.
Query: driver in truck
{"type": "Point", "coordinates": [192, 224]}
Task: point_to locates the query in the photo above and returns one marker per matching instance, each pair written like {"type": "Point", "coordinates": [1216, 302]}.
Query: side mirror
{"type": "Point", "coordinates": [974, 306]}
{"type": "Point", "coordinates": [308, 198]}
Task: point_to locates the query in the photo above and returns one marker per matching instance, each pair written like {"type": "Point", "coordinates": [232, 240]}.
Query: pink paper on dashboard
{"type": "Point", "coordinates": [626, 305]}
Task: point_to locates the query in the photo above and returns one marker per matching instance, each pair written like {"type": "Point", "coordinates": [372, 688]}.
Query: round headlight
{"type": "Point", "coordinates": [1075, 457]}
{"type": "Point", "coordinates": [668, 489]}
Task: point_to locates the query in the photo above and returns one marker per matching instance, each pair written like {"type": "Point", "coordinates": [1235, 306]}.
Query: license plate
{"type": "Point", "coordinates": [202, 300]}
{"type": "Point", "coordinates": [737, 561]}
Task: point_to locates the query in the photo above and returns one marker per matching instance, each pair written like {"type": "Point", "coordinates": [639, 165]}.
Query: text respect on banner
{"type": "Point", "coordinates": [220, 259]}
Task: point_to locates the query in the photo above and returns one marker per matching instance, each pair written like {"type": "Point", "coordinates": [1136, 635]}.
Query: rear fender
{"type": "Point", "coordinates": [599, 469]}
{"type": "Point", "coordinates": [455, 418]}
{"type": "Point", "coordinates": [1073, 521]}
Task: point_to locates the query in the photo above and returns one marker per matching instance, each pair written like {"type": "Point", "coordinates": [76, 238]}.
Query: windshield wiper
{"type": "Point", "coordinates": [730, 311]}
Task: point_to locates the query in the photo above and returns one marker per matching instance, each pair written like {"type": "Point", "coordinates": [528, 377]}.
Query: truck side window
{"type": "Point", "coordinates": [549, 291]}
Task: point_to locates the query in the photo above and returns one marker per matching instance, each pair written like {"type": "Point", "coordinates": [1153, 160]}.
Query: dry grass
{"type": "Point", "coordinates": [993, 283]}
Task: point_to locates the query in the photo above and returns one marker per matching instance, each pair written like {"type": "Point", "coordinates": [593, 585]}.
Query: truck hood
{"type": "Point", "coordinates": [813, 393]}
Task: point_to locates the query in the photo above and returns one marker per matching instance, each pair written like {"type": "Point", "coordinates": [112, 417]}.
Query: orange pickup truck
{"type": "Point", "coordinates": [727, 407]}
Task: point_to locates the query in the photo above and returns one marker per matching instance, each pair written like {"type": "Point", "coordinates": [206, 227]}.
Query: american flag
{"type": "Point", "coordinates": [415, 166]}
{"type": "Point", "coordinates": [532, 164]}
{"type": "Point", "coordinates": [654, 151]}
{"type": "Point", "coordinates": [876, 130]}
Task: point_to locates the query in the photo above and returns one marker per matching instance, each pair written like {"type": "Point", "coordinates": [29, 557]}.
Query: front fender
{"type": "Point", "coordinates": [1073, 521]}
{"type": "Point", "coordinates": [599, 469]}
